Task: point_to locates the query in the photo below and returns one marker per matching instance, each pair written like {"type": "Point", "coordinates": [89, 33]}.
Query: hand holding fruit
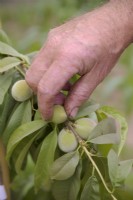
{"type": "Point", "coordinates": [88, 45]}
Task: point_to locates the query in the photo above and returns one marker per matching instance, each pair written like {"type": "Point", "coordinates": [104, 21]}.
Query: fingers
{"type": "Point", "coordinates": [82, 89]}
{"type": "Point", "coordinates": [54, 80]}
{"type": "Point", "coordinates": [38, 68]}
{"type": "Point", "coordinates": [59, 99]}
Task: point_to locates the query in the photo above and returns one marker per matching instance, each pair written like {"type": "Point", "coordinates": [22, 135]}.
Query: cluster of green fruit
{"type": "Point", "coordinates": [93, 133]}
{"type": "Point", "coordinates": [67, 140]}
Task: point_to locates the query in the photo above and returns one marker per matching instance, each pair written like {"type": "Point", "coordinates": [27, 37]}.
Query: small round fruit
{"type": "Point", "coordinates": [59, 114]}
{"type": "Point", "coordinates": [21, 91]}
{"type": "Point", "coordinates": [84, 126]}
{"type": "Point", "coordinates": [67, 141]}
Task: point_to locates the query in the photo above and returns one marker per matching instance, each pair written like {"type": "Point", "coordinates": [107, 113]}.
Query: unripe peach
{"type": "Point", "coordinates": [59, 114]}
{"type": "Point", "coordinates": [67, 141]}
{"type": "Point", "coordinates": [84, 126]}
{"type": "Point", "coordinates": [21, 91]}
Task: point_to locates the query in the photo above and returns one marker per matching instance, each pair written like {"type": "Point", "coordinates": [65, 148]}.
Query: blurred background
{"type": "Point", "coordinates": [27, 23]}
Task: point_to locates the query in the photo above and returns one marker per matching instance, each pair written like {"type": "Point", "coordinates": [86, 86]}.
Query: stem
{"type": "Point", "coordinates": [4, 169]}
{"type": "Point", "coordinates": [21, 72]}
{"type": "Point", "coordinates": [95, 167]}
{"type": "Point", "coordinates": [93, 171]}
{"type": "Point", "coordinates": [98, 171]}
{"type": "Point", "coordinates": [69, 125]}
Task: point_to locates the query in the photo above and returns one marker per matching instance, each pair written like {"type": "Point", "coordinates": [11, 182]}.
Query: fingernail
{"type": "Point", "coordinates": [73, 112]}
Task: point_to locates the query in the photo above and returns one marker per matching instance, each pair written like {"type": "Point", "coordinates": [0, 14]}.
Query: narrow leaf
{"type": "Point", "coordinates": [23, 148]}
{"type": "Point", "coordinates": [91, 190]}
{"type": "Point", "coordinates": [8, 63]}
{"type": "Point", "coordinates": [44, 161]}
{"type": "Point", "coordinates": [5, 49]}
{"type": "Point", "coordinates": [3, 37]}
{"type": "Point", "coordinates": [122, 121]}
{"type": "Point", "coordinates": [124, 168]}
{"type": "Point", "coordinates": [37, 115]}
{"type": "Point", "coordinates": [106, 126]}
{"type": "Point", "coordinates": [21, 132]}
{"type": "Point", "coordinates": [113, 165]}
{"type": "Point", "coordinates": [7, 107]}
{"type": "Point", "coordinates": [87, 108]}
{"type": "Point", "coordinates": [118, 171]}
{"type": "Point", "coordinates": [21, 115]}
{"type": "Point", "coordinates": [64, 167]}
{"type": "Point", "coordinates": [67, 189]}
{"type": "Point", "coordinates": [111, 138]}
{"type": "Point", "coordinates": [5, 82]}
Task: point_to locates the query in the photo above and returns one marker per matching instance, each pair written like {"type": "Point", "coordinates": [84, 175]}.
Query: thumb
{"type": "Point", "coordinates": [81, 91]}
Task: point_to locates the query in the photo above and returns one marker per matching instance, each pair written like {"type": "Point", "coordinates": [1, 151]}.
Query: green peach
{"type": "Point", "coordinates": [21, 91]}
{"type": "Point", "coordinates": [59, 114]}
{"type": "Point", "coordinates": [84, 126]}
{"type": "Point", "coordinates": [67, 141]}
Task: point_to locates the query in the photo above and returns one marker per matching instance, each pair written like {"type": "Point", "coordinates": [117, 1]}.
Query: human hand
{"type": "Point", "coordinates": [89, 46]}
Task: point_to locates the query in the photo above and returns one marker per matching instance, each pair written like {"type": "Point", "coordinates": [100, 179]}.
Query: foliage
{"type": "Point", "coordinates": [92, 171]}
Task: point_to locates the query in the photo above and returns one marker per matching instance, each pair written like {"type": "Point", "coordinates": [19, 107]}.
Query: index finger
{"type": "Point", "coordinates": [51, 83]}
{"type": "Point", "coordinates": [38, 67]}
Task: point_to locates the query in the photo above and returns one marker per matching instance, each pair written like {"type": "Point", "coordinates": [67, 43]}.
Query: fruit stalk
{"type": "Point", "coordinates": [70, 126]}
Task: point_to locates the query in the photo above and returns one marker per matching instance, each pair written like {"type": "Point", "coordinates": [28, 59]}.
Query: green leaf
{"type": "Point", "coordinates": [104, 149]}
{"type": "Point", "coordinates": [22, 149]}
{"type": "Point", "coordinates": [122, 121]}
{"type": "Point", "coordinates": [118, 171]}
{"type": "Point", "coordinates": [67, 189]}
{"type": "Point", "coordinates": [3, 37]}
{"type": "Point", "coordinates": [21, 132]}
{"type": "Point", "coordinates": [91, 190]}
{"type": "Point", "coordinates": [124, 168]}
{"type": "Point", "coordinates": [5, 49]}
{"type": "Point", "coordinates": [113, 165]}
{"type": "Point", "coordinates": [37, 115]}
{"type": "Point", "coordinates": [32, 55]}
{"type": "Point", "coordinates": [93, 116]}
{"type": "Point", "coordinates": [5, 82]}
{"type": "Point", "coordinates": [106, 126]}
{"type": "Point", "coordinates": [87, 108]}
{"type": "Point", "coordinates": [64, 167]}
{"type": "Point", "coordinates": [7, 108]}
{"type": "Point", "coordinates": [111, 138]}
{"type": "Point", "coordinates": [21, 115]}
{"type": "Point", "coordinates": [44, 161]}
{"type": "Point", "coordinates": [8, 63]}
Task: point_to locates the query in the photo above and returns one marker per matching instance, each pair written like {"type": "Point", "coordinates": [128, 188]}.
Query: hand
{"type": "Point", "coordinates": [89, 46]}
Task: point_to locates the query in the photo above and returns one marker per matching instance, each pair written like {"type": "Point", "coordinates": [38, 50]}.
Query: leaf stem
{"type": "Point", "coordinates": [21, 72]}
{"type": "Point", "coordinates": [93, 171]}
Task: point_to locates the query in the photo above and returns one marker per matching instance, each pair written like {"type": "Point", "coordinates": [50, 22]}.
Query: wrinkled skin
{"type": "Point", "coordinates": [88, 45]}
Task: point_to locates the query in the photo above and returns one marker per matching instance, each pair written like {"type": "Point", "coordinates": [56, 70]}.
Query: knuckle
{"type": "Point", "coordinates": [53, 38]}
{"type": "Point", "coordinates": [52, 32]}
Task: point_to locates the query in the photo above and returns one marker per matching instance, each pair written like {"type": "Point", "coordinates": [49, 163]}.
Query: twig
{"type": "Point", "coordinates": [5, 171]}
{"type": "Point", "coordinates": [83, 146]}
